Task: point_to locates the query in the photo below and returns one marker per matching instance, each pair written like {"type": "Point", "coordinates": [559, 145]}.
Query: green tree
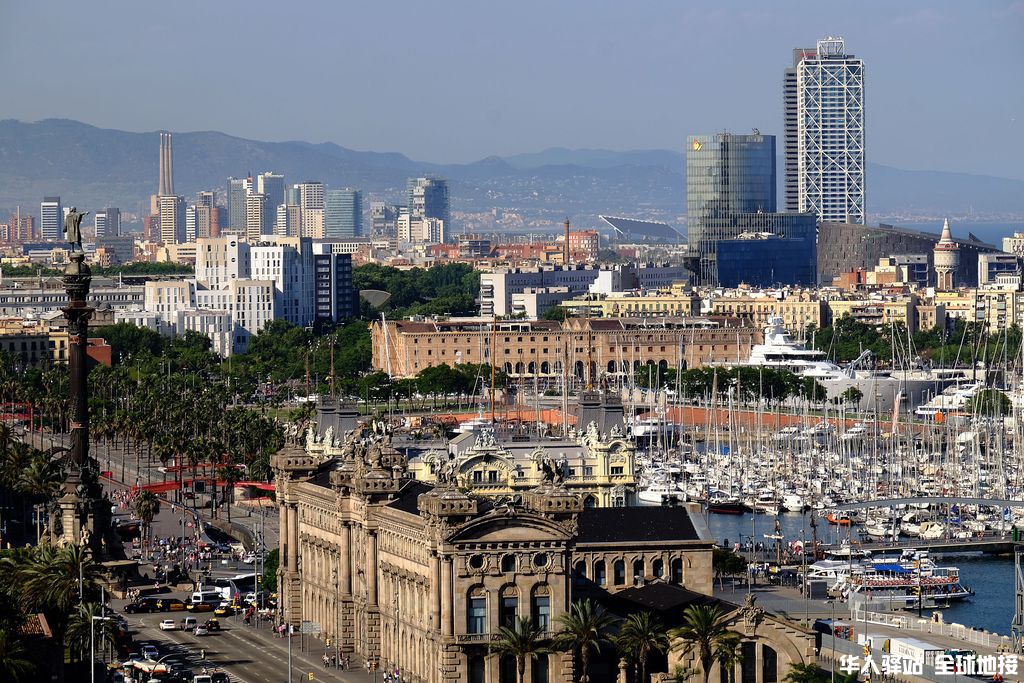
{"type": "Point", "coordinates": [727, 563]}
{"type": "Point", "coordinates": [556, 313]}
{"type": "Point", "coordinates": [704, 630]}
{"type": "Point", "coordinates": [585, 627]}
{"type": "Point", "coordinates": [991, 402]}
{"type": "Point", "coordinates": [521, 641]}
{"type": "Point", "coordinates": [146, 506]}
{"type": "Point", "coordinates": [104, 632]}
{"type": "Point", "coordinates": [641, 635]}
{"type": "Point", "coordinates": [270, 566]}
{"type": "Point", "coordinates": [16, 663]}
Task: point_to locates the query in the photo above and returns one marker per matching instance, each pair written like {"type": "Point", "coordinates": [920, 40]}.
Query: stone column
{"type": "Point", "coordinates": [371, 568]}
{"type": "Point", "coordinates": [345, 560]}
{"type": "Point", "coordinates": [447, 608]}
{"type": "Point", "coordinates": [435, 599]}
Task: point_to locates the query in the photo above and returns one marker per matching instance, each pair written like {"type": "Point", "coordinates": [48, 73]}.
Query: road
{"type": "Point", "coordinates": [248, 654]}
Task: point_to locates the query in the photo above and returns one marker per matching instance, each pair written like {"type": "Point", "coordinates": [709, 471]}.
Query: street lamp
{"type": "Point", "coordinates": [92, 646]}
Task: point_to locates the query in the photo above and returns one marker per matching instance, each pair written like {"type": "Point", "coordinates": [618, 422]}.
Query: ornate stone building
{"type": "Point", "coordinates": [421, 575]}
{"type": "Point", "coordinates": [597, 467]}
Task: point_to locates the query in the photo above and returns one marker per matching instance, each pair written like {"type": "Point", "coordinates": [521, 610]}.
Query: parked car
{"type": "Point", "coordinates": [168, 625]}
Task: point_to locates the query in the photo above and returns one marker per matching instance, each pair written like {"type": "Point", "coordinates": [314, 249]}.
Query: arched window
{"type": "Point", "coordinates": [611, 366]}
{"type": "Point", "coordinates": [638, 571]}
{"type": "Point", "coordinates": [508, 368]}
{"type": "Point", "coordinates": [540, 607]}
{"type": "Point", "coordinates": [677, 570]}
{"type": "Point", "coordinates": [476, 611]}
{"type": "Point", "coordinates": [508, 606]}
{"type": "Point", "coordinates": [579, 369]}
{"type": "Point", "coordinates": [769, 664]}
{"type": "Point", "coordinates": [545, 368]}
{"type": "Point", "coordinates": [580, 570]}
{"type": "Point", "coordinates": [600, 575]}
{"type": "Point", "coordinates": [619, 573]}
{"type": "Point", "coordinates": [519, 368]}
{"type": "Point", "coordinates": [590, 502]}
{"type": "Point", "coordinates": [659, 568]}
{"type": "Point", "coordinates": [532, 368]}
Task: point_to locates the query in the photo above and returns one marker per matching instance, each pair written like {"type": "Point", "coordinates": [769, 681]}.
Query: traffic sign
{"type": "Point", "coordinates": [312, 627]}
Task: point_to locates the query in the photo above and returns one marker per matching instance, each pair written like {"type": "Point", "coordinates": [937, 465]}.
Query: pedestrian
{"type": "Point", "coordinates": [327, 660]}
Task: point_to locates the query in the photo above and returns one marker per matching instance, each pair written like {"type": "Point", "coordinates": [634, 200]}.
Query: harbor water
{"type": "Point", "coordinates": [990, 608]}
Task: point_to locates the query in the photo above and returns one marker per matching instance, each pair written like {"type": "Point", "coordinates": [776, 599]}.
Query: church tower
{"type": "Point", "coordinates": [947, 259]}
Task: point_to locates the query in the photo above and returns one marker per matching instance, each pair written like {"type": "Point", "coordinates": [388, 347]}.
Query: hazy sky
{"type": "Point", "coordinates": [457, 80]}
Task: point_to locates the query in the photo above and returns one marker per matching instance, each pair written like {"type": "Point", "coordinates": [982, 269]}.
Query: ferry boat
{"type": "Point", "coordinates": [901, 587]}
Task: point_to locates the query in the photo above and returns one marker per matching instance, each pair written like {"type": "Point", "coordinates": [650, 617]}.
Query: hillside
{"type": "Point", "coordinates": [95, 167]}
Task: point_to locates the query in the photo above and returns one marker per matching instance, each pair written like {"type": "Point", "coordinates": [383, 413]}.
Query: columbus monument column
{"type": "Point", "coordinates": [85, 519]}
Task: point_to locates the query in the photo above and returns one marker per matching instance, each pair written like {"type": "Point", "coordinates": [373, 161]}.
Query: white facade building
{"type": "Point", "coordinates": [830, 144]}
{"type": "Point", "coordinates": [288, 262]}
{"type": "Point", "coordinates": [222, 259]}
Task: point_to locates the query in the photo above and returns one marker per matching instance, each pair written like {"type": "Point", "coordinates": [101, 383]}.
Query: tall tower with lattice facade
{"type": "Point", "coordinates": [824, 133]}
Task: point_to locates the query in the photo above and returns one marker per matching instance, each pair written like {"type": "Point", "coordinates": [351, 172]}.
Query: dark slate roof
{"type": "Point", "coordinates": [408, 496]}
{"type": "Point", "coordinates": [667, 600]}
{"type": "Point", "coordinates": [636, 524]}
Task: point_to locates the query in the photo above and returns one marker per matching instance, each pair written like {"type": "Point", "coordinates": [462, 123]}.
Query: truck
{"type": "Point", "coordinates": [915, 650]}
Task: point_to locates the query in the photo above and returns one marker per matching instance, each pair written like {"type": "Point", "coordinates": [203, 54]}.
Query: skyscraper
{"type": "Point", "coordinates": [343, 213]}
{"type": "Point", "coordinates": [172, 219]}
{"type": "Point", "coordinates": [51, 218]}
{"type": "Point", "coordinates": [108, 222]}
{"type": "Point", "coordinates": [238, 190]}
{"type": "Point", "coordinates": [166, 166]}
{"type": "Point", "coordinates": [731, 218]}
{"type": "Point", "coordinates": [272, 185]}
{"type": "Point", "coordinates": [428, 198]}
{"type": "Point", "coordinates": [311, 194]}
{"type": "Point", "coordinates": [256, 224]}
{"type": "Point", "coordinates": [824, 98]}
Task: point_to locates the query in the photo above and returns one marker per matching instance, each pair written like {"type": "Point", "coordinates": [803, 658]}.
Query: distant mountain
{"type": "Point", "coordinates": [95, 167]}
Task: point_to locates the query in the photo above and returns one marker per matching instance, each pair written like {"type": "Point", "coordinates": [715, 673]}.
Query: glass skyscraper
{"type": "Point", "coordinates": [730, 202]}
{"type": "Point", "coordinates": [823, 103]}
{"type": "Point", "coordinates": [343, 213]}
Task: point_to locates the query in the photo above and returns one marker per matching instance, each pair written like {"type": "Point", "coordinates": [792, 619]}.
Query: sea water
{"type": "Point", "coordinates": [990, 608]}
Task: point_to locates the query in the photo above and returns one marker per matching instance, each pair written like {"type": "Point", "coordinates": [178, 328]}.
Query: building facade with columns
{"type": "Point", "coordinates": [421, 575]}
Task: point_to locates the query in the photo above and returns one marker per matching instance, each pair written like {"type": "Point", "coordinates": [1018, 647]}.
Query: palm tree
{"type": "Point", "coordinates": [522, 640]}
{"type": "Point", "coordinates": [586, 626]}
{"type": "Point", "coordinates": [147, 506]}
{"type": "Point", "coordinates": [812, 673]}
{"type": "Point", "coordinates": [78, 637]}
{"type": "Point", "coordinates": [705, 630]}
{"type": "Point", "coordinates": [641, 635]}
{"type": "Point", "coordinates": [15, 664]}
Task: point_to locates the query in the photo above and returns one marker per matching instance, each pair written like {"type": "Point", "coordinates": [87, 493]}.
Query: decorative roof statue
{"type": "Point", "coordinates": [329, 437]}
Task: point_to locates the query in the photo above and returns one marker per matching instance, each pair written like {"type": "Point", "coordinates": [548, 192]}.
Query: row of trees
{"type": "Point", "coordinates": [586, 628]}
{"type": "Point", "coordinates": [744, 383]}
{"type": "Point", "coordinates": [137, 268]}
{"type": "Point", "coordinates": [449, 289]}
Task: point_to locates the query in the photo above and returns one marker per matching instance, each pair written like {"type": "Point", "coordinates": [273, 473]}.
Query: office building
{"type": "Point", "coordinates": [731, 218]}
{"type": "Point", "coordinates": [312, 223]}
{"type": "Point", "coordinates": [51, 219]}
{"type": "Point", "coordinates": [166, 187]}
{"type": "Point", "coordinates": [343, 213]}
{"type": "Point", "coordinates": [256, 224]}
{"type": "Point", "coordinates": [382, 218]}
{"type": "Point", "coordinates": [428, 198]}
{"type": "Point", "coordinates": [824, 129]}
{"type": "Point", "coordinates": [311, 194]}
{"type": "Point", "coordinates": [289, 221]}
{"type": "Point", "coordinates": [288, 263]}
{"type": "Point", "coordinates": [272, 185]}
{"type": "Point", "coordinates": [238, 190]}
{"type": "Point", "coordinates": [172, 219]}
{"type": "Point", "coordinates": [21, 228]}
{"type": "Point", "coordinates": [108, 222]}
{"type": "Point", "coordinates": [999, 271]}
{"type": "Point", "coordinates": [335, 298]}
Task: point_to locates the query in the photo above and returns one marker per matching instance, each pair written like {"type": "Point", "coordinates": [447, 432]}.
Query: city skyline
{"type": "Point", "coordinates": [920, 87]}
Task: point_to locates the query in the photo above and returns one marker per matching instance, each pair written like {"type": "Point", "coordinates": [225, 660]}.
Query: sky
{"type": "Point", "coordinates": [459, 80]}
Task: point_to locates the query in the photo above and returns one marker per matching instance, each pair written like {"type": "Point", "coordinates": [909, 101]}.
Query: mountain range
{"type": "Point", "coordinates": [95, 167]}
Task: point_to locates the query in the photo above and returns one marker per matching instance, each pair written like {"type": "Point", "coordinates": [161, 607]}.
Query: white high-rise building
{"type": "Point", "coordinates": [172, 219]}
{"type": "Point", "coordinates": [824, 97]}
{"type": "Point", "coordinates": [311, 194]}
{"type": "Point", "coordinates": [51, 218]}
{"type": "Point", "coordinates": [220, 260]}
{"type": "Point", "coordinates": [288, 262]}
{"type": "Point", "coordinates": [256, 224]}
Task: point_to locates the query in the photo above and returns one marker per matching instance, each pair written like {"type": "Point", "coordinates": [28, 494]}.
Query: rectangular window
{"type": "Point", "coordinates": [509, 605]}
{"type": "Point", "coordinates": [476, 621]}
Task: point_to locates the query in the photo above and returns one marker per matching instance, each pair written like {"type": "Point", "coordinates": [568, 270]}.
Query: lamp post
{"type": "Point", "coordinates": [92, 647]}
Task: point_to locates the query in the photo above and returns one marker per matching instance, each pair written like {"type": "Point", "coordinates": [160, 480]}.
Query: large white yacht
{"type": "Point", "coordinates": [880, 390]}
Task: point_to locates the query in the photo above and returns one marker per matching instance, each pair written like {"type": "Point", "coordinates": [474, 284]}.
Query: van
{"type": "Point", "coordinates": [188, 624]}
{"type": "Point", "coordinates": [212, 595]}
